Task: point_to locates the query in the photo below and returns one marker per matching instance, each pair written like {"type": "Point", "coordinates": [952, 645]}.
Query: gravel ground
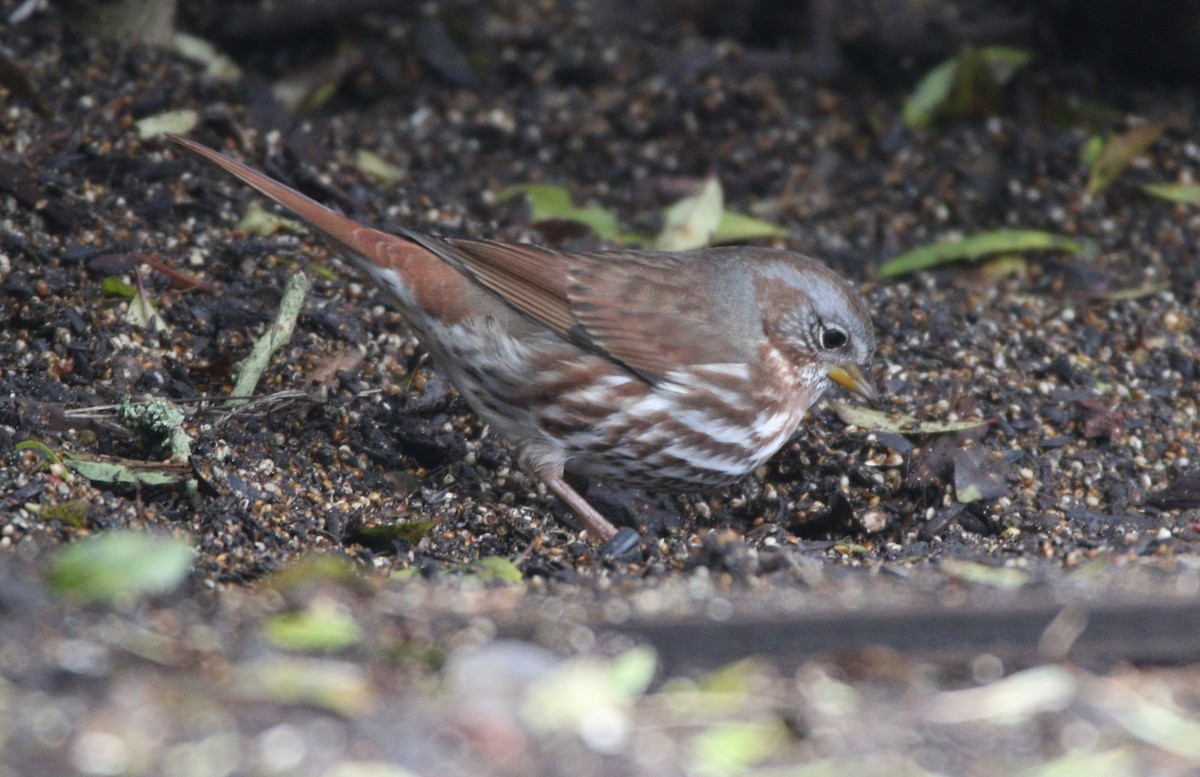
{"type": "Point", "coordinates": [898, 624]}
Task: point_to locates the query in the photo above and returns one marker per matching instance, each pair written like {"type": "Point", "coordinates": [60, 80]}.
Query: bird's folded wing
{"type": "Point", "coordinates": [633, 307]}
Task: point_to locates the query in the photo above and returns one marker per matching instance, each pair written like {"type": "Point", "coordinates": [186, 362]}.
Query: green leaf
{"type": "Point", "coordinates": [1182, 193]}
{"type": "Point", "coordinates": [1156, 724]}
{"type": "Point", "coordinates": [633, 670]}
{"type": "Point", "coordinates": [119, 563]}
{"type": "Point", "coordinates": [553, 203]}
{"type": "Point", "coordinates": [927, 99]}
{"type": "Point", "coordinates": [695, 221]}
{"type": "Point", "coordinates": [323, 626]}
{"type": "Point", "coordinates": [962, 85]}
{"type": "Point", "coordinates": [868, 418]}
{"type": "Point", "coordinates": [73, 512]}
{"type": "Point", "coordinates": [307, 89]}
{"type": "Point", "coordinates": [113, 472]}
{"type": "Point", "coordinates": [217, 66]}
{"type": "Point", "coordinates": [977, 246]}
{"type": "Point", "coordinates": [43, 450]}
{"type": "Point", "coordinates": [413, 531]}
{"type": "Point", "coordinates": [178, 122]}
{"type": "Point", "coordinates": [376, 167]}
{"type": "Point", "coordinates": [1017, 697]}
{"type": "Point", "coordinates": [691, 222]}
{"type": "Point", "coordinates": [737, 228]}
{"type": "Point", "coordinates": [261, 222]}
{"type": "Point", "coordinates": [112, 286]}
{"type": "Point", "coordinates": [495, 569]}
{"type": "Point", "coordinates": [736, 678]}
{"type": "Point", "coordinates": [386, 535]}
{"type": "Point", "coordinates": [733, 748]}
{"type": "Point", "coordinates": [325, 273]}
{"type": "Point", "coordinates": [1005, 61]}
{"type": "Point", "coordinates": [573, 693]}
{"type": "Point", "coordinates": [142, 313]}
{"type": "Point", "coordinates": [1141, 291]}
{"type": "Point", "coordinates": [1091, 150]}
{"type": "Point", "coordinates": [1119, 152]}
{"type": "Point", "coordinates": [975, 90]}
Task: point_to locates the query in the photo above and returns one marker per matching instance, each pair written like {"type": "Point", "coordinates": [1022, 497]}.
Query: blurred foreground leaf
{"type": "Point", "coordinates": [633, 670]}
{"type": "Point", "coordinates": [368, 769]}
{"type": "Point", "coordinates": [333, 685]}
{"type": "Point", "coordinates": [976, 247]}
{"type": "Point", "coordinates": [1118, 762]}
{"type": "Point", "coordinates": [717, 694]}
{"type": "Point", "coordinates": [495, 569]}
{"type": "Point", "coordinates": [1165, 727]}
{"type": "Point", "coordinates": [321, 626]}
{"type": "Point", "coordinates": [1015, 698]}
{"type": "Point", "coordinates": [119, 563]}
{"type": "Point", "coordinates": [1001, 578]}
{"type": "Point", "coordinates": [732, 748]}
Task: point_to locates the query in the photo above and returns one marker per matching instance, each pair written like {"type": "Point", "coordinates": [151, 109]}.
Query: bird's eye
{"type": "Point", "coordinates": [833, 338]}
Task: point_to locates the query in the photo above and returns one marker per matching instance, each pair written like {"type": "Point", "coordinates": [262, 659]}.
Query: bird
{"type": "Point", "coordinates": [669, 371]}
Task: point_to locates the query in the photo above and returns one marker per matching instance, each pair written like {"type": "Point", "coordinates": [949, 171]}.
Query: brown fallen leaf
{"type": "Point", "coordinates": [1099, 420]}
{"type": "Point", "coordinates": [1119, 152]}
{"type": "Point", "coordinates": [325, 372]}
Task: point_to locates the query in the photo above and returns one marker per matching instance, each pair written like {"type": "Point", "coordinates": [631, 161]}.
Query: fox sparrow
{"type": "Point", "coordinates": [670, 371]}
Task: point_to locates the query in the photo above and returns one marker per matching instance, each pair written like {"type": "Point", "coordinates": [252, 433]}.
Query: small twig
{"type": "Point", "coordinates": [247, 405]}
{"type": "Point", "coordinates": [179, 278]}
{"type": "Point", "coordinates": [94, 411]}
{"type": "Point", "coordinates": [276, 337]}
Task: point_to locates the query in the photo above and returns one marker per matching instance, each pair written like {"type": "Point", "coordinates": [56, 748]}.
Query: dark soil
{"type": "Point", "coordinates": [897, 624]}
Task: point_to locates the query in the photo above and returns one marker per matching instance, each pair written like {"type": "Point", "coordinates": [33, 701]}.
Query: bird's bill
{"type": "Point", "coordinates": [852, 377]}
